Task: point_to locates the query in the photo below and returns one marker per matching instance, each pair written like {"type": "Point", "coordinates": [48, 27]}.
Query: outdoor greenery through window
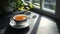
{"type": "Point", "coordinates": [49, 4]}
{"type": "Point", "coordinates": [36, 3]}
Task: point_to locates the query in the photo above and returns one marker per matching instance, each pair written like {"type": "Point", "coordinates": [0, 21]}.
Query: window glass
{"type": "Point", "coordinates": [49, 4]}
{"type": "Point", "coordinates": [36, 2]}
{"type": "Point", "coordinates": [27, 1]}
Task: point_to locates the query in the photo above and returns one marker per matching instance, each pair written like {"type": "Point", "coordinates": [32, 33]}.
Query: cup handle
{"type": "Point", "coordinates": [12, 19]}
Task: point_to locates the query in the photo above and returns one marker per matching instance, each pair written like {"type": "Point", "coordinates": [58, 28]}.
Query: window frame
{"type": "Point", "coordinates": [46, 9]}
{"type": "Point", "coordinates": [50, 13]}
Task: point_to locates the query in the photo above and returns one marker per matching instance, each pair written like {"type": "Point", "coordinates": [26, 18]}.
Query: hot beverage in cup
{"type": "Point", "coordinates": [20, 18]}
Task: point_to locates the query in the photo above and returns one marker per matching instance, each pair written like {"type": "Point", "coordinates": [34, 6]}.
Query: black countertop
{"type": "Point", "coordinates": [5, 28]}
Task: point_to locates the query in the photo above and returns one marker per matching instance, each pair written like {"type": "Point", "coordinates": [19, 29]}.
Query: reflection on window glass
{"type": "Point", "coordinates": [27, 1]}
{"type": "Point", "coordinates": [50, 4]}
{"type": "Point", "coordinates": [36, 2]}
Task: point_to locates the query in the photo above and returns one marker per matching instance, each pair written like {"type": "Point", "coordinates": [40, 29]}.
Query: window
{"type": "Point", "coordinates": [36, 3]}
{"type": "Point", "coordinates": [28, 1]}
{"type": "Point", "coordinates": [49, 5]}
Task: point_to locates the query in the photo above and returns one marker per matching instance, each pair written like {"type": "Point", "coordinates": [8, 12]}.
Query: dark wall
{"type": "Point", "coordinates": [57, 9]}
{"type": "Point", "coordinates": [3, 3]}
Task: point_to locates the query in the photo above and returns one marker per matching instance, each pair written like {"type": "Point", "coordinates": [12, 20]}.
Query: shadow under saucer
{"type": "Point", "coordinates": [10, 30]}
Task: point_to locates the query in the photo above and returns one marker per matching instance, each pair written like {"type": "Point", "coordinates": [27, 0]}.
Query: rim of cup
{"type": "Point", "coordinates": [20, 15]}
